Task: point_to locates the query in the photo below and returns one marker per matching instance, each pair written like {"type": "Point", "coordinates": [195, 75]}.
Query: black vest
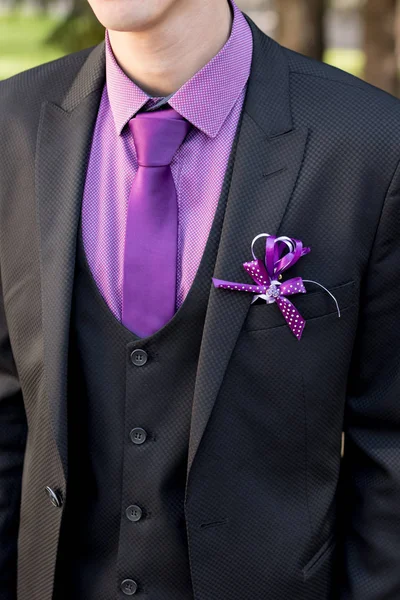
{"type": "Point", "coordinates": [129, 407]}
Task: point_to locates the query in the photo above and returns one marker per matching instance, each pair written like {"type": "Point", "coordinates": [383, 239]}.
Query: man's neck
{"type": "Point", "coordinates": [161, 59]}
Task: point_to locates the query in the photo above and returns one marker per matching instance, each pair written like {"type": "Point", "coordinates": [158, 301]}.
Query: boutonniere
{"type": "Point", "coordinates": [280, 254]}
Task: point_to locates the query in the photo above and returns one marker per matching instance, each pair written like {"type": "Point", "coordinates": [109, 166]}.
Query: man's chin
{"type": "Point", "coordinates": [128, 15]}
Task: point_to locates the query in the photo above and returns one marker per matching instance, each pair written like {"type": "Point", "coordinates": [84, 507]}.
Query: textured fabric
{"type": "Point", "coordinates": [151, 237]}
{"type": "Point", "coordinates": [99, 546]}
{"type": "Point", "coordinates": [271, 509]}
{"type": "Point", "coordinates": [212, 101]}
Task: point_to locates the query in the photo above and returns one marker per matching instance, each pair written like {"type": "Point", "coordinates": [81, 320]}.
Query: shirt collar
{"type": "Point", "coordinates": [206, 99]}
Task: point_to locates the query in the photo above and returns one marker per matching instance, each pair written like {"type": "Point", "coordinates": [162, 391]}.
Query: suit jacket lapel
{"type": "Point", "coordinates": [268, 159]}
{"type": "Point", "coordinates": [64, 136]}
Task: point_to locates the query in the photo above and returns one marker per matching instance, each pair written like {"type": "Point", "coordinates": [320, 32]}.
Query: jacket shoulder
{"type": "Point", "coordinates": [316, 74]}
{"type": "Point", "coordinates": [302, 65]}
{"type": "Point", "coordinates": [32, 86]}
{"type": "Point", "coordinates": [338, 101]}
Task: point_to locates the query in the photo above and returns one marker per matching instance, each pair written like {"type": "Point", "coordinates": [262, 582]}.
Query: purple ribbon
{"type": "Point", "coordinates": [266, 276]}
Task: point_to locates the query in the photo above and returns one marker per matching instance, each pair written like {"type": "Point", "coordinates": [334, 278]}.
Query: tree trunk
{"type": "Point", "coordinates": [380, 44]}
{"type": "Point", "coordinates": [301, 26]}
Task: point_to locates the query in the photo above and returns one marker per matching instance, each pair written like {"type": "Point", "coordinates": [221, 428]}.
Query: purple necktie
{"type": "Point", "coordinates": [151, 238]}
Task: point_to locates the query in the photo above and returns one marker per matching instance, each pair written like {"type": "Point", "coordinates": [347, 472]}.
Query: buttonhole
{"type": "Point", "coordinates": [273, 173]}
{"type": "Point", "coordinates": [214, 524]}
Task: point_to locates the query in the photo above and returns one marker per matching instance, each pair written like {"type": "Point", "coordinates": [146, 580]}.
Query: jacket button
{"type": "Point", "coordinates": [55, 497]}
{"type": "Point", "coordinates": [139, 357]}
{"type": "Point", "coordinates": [138, 435]}
{"type": "Point", "coordinates": [134, 512]}
{"type": "Point", "coordinates": [129, 587]}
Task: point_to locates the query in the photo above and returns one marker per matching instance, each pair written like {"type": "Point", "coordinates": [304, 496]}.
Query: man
{"type": "Point", "coordinates": [161, 437]}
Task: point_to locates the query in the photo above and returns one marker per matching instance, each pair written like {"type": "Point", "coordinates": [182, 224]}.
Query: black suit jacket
{"type": "Point", "coordinates": [318, 160]}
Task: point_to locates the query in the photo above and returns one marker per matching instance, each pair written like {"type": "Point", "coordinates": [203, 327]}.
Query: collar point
{"type": "Point", "coordinates": [210, 131]}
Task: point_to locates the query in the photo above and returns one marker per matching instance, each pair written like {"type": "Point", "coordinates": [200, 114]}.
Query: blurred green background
{"type": "Point", "coordinates": [359, 36]}
{"type": "Point", "coordinates": [22, 42]}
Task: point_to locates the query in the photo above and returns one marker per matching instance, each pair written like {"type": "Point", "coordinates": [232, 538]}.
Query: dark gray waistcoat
{"type": "Point", "coordinates": [123, 531]}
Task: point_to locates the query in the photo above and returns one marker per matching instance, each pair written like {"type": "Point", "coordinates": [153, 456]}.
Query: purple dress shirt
{"type": "Point", "coordinates": [212, 101]}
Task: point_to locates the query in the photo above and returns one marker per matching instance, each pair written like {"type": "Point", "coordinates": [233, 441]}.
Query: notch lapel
{"type": "Point", "coordinates": [62, 150]}
{"type": "Point", "coordinates": [268, 158]}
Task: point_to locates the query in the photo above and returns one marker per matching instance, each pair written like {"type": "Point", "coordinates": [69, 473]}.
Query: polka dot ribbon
{"type": "Point", "coordinates": [280, 254]}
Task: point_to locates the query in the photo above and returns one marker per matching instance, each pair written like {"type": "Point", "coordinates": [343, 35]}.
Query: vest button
{"type": "Point", "coordinates": [138, 435]}
{"type": "Point", "coordinates": [134, 512]}
{"type": "Point", "coordinates": [55, 497]}
{"type": "Point", "coordinates": [139, 357]}
{"type": "Point", "coordinates": [129, 587]}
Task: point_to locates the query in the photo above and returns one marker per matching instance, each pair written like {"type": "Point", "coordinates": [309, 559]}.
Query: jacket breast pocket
{"type": "Point", "coordinates": [315, 303]}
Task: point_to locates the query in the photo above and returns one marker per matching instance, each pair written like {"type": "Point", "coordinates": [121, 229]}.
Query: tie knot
{"type": "Point", "coordinates": [158, 135]}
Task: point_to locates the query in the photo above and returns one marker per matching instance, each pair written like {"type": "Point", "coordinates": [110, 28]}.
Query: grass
{"type": "Point", "coordinates": [22, 46]}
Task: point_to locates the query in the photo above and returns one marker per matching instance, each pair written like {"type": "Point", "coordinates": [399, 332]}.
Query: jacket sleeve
{"type": "Point", "coordinates": [13, 430]}
{"type": "Point", "coordinates": [370, 485]}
